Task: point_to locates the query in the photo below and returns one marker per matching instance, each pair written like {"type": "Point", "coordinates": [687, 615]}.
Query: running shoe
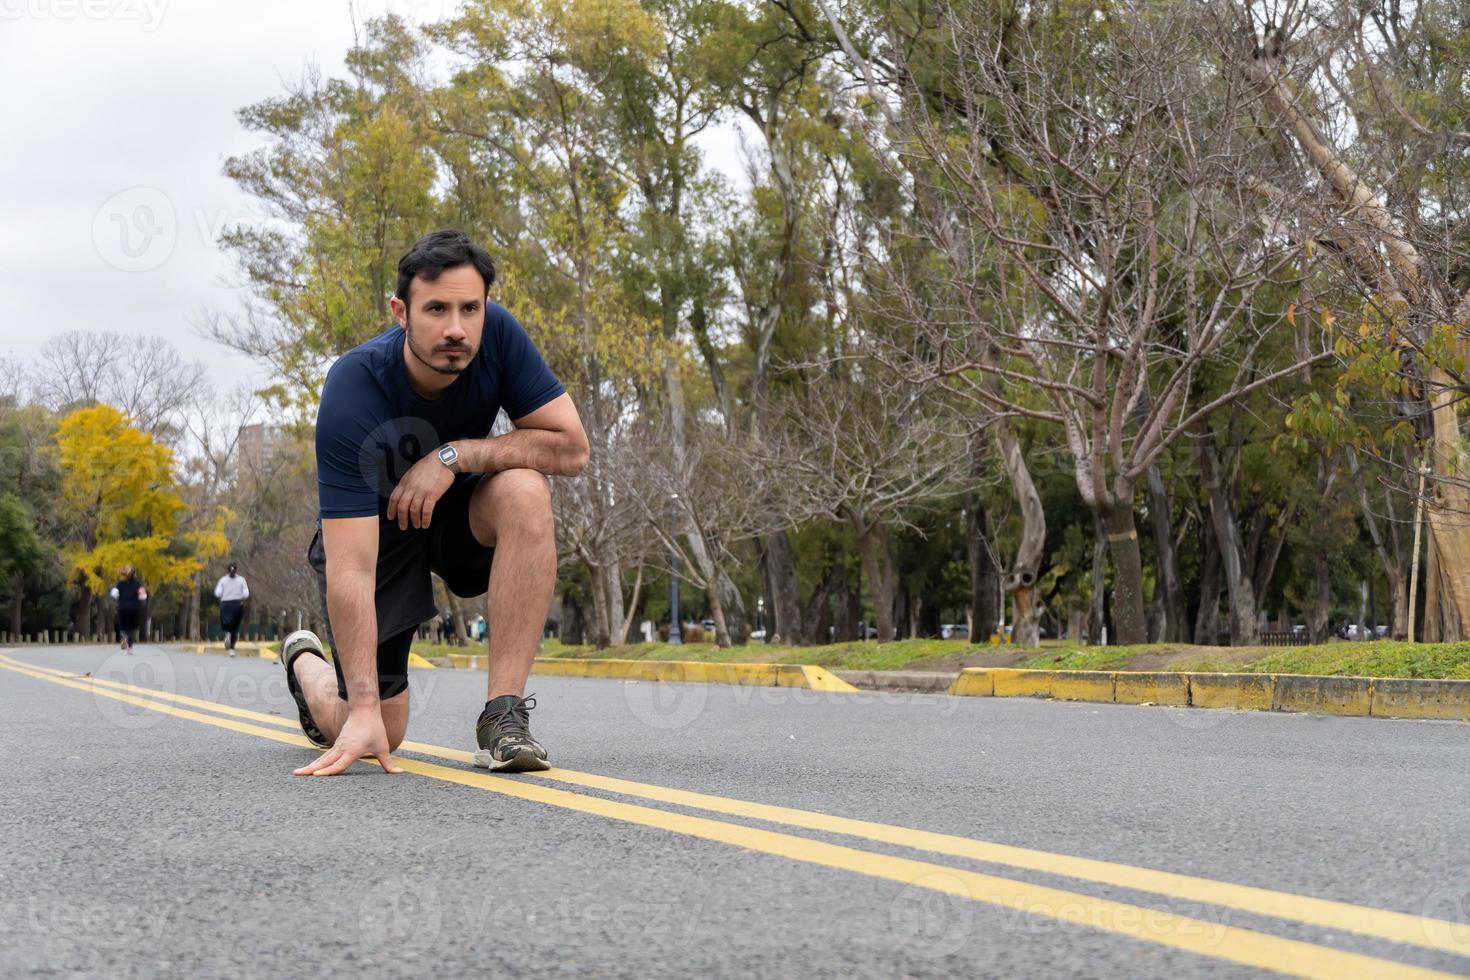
{"type": "Point", "coordinates": [504, 736]}
{"type": "Point", "coordinates": [299, 642]}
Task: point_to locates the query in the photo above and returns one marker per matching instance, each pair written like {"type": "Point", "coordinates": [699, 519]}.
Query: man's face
{"type": "Point", "coordinates": [444, 318]}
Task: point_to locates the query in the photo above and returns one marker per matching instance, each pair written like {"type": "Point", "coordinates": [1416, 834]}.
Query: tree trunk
{"type": "Point", "coordinates": [195, 585]}
{"type": "Point", "coordinates": [1244, 625]}
{"type": "Point", "coordinates": [1021, 583]}
{"type": "Point", "coordinates": [573, 625]}
{"type": "Point", "coordinates": [602, 631]}
{"type": "Point", "coordinates": [1388, 549]}
{"type": "Point", "coordinates": [816, 615]}
{"type": "Point", "coordinates": [1448, 581]}
{"type": "Point", "coordinates": [984, 575]}
{"type": "Point", "coordinates": [1097, 613]}
{"type": "Point", "coordinates": [927, 618]}
{"type": "Point", "coordinates": [1398, 588]}
{"type": "Point", "coordinates": [717, 613]}
{"type": "Point", "coordinates": [1128, 613]}
{"type": "Point", "coordinates": [1433, 624]}
{"type": "Point", "coordinates": [17, 598]}
{"type": "Point", "coordinates": [1171, 583]}
{"type": "Point", "coordinates": [849, 609]}
{"type": "Point", "coordinates": [84, 613]}
{"type": "Point", "coordinates": [1207, 618]}
{"type": "Point", "coordinates": [612, 578]}
{"type": "Point", "coordinates": [906, 614]}
{"type": "Point", "coordinates": [1321, 611]}
{"type": "Point", "coordinates": [632, 613]}
{"type": "Point", "coordinates": [877, 572]}
{"type": "Point", "coordinates": [779, 570]}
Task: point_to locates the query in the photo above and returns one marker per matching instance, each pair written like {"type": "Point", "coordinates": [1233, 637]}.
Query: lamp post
{"type": "Point", "coordinates": [674, 635]}
{"type": "Point", "coordinates": [760, 616]}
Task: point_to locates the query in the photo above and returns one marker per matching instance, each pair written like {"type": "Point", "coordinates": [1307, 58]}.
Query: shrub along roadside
{"type": "Point", "coordinates": [1384, 658]}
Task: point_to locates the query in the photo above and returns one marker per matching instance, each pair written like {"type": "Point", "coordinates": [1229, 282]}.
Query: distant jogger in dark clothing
{"type": "Point", "coordinates": [130, 595]}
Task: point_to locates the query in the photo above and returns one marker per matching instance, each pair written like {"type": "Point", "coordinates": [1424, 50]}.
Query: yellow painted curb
{"type": "Point", "coordinates": [822, 679]}
{"type": "Point", "coordinates": [1022, 683]}
{"type": "Point", "coordinates": [241, 649]}
{"type": "Point", "coordinates": [1323, 695]}
{"type": "Point", "coordinates": [1398, 698]}
{"type": "Point", "coordinates": [974, 682]}
{"type": "Point", "coordinates": [414, 660]}
{"type": "Point", "coordinates": [1354, 696]}
{"type": "Point", "coordinates": [1254, 692]}
{"type": "Point", "coordinates": [696, 672]}
{"type": "Point", "coordinates": [1079, 685]}
{"type": "Point", "coordinates": [678, 671]}
{"type": "Point", "coordinates": [1150, 687]}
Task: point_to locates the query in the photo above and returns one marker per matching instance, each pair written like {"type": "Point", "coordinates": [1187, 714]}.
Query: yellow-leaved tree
{"type": "Point", "coordinates": [121, 504]}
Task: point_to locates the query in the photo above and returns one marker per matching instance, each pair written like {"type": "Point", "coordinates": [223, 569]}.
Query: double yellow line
{"type": "Point", "coordinates": [1197, 936]}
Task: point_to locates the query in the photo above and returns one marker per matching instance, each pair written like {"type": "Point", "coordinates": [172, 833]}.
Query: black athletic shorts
{"type": "Point", "coordinates": [405, 593]}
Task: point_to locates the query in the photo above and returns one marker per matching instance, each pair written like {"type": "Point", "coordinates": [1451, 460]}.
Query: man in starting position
{"type": "Point", "coordinates": [409, 481]}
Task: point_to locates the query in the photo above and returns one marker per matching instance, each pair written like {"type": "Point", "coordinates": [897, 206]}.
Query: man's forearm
{"type": "Point", "coordinates": [553, 453]}
{"type": "Point", "coordinates": [354, 614]}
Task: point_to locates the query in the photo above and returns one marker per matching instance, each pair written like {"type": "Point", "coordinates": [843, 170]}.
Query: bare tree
{"type": "Point", "coordinates": [859, 444]}
{"type": "Point", "coordinates": [1381, 187]}
{"type": "Point", "coordinates": [1098, 250]}
{"type": "Point", "coordinates": [143, 377]}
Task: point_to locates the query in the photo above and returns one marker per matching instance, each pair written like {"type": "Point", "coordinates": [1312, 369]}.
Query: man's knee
{"type": "Point", "coordinates": [518, 500]}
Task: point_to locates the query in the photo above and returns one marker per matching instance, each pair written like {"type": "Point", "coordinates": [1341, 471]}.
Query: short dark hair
{"type": "Point", "coordinates": [440, 250]}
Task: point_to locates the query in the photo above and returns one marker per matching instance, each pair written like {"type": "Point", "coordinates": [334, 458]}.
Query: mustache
{"type": "Point", "coordinates": [449, 348]}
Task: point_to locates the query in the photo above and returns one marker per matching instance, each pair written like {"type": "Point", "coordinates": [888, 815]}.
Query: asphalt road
{"type": "Point", "coordinates": [153, 835]}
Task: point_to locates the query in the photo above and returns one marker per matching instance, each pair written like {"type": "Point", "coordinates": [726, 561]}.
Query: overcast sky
{"type": "Point", "coordinates": [115, 118]}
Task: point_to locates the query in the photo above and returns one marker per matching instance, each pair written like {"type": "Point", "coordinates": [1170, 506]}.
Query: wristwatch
{"type": "Point", "coordinates": [449, 456]}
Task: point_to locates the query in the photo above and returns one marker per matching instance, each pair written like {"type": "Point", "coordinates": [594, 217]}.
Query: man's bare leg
{"type": "Point", "coordinates": [511, 512]}
{"type": "Point", "coordinates": [319, 683]}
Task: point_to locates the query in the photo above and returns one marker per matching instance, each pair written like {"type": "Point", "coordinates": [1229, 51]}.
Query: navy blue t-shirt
{"type": "Point", "coordinates": [372, 426]}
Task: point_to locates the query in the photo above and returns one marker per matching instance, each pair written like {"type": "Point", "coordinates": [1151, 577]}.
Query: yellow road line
{"type": "Point", "coordinates": [1430, 933]}
{"type": "Point", "coordinates": [1260, 950]}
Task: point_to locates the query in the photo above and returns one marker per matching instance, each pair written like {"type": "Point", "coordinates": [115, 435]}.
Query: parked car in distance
{"type": "Point", "coordinates": [954, 631]}
{"type": "Point", "coordinates": [758, 636]}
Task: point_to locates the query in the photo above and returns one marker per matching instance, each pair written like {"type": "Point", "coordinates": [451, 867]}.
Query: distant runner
{"type": "Point", "coordinates": [409, 481]}
{"type": "Point", "coordinates": [130, 596]}
{"type": "Point", "coordinates": [232, 592]}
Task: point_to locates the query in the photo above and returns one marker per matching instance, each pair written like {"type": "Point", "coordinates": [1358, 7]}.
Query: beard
{"type": "Point", "coordinates": [425, 356]}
